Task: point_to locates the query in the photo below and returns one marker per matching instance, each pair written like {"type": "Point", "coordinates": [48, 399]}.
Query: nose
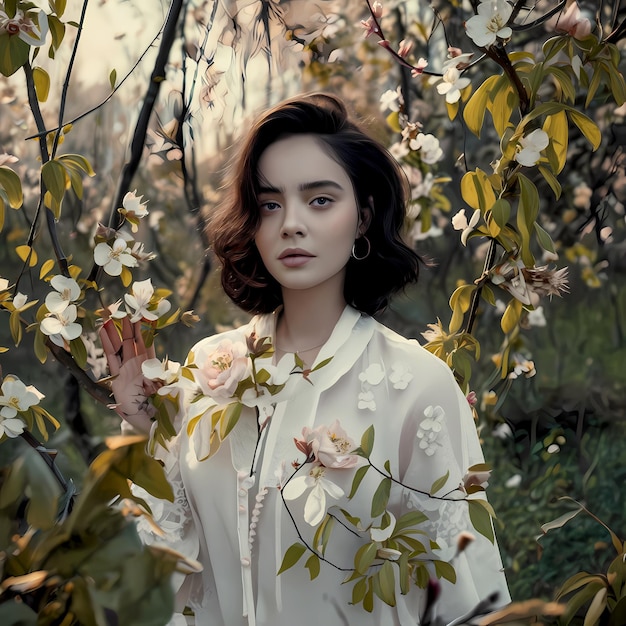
{"type": "Point", "coordinates": [293, 221]}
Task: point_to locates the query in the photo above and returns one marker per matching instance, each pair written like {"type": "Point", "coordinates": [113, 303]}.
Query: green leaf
{"type": "Point", "coordinates": [501, 212]}
{"type": "Point", "coordinates": [13, 54]}
{"type": "Point", "coordinates": [439, 483]}
{"type": "Point", "coordinates": [77, 162]}
{"type": "Point", "coordinates": [230, 418]}
{"type": "Point", "coordinates": [113, 78]}
{"type": "Point", "coordinates": [408, 520]}
{"type": "Point", "coordinates": [292, 556]}
{"type": "Point", "coordinates": [480, 518]}
{"type": "Point", "coordinates": [551, 180]}
{"type": "Point", "coordinates": [367, 442]}
{"type": "Point", "coordinates": [356, 481]}
{"type": "Point", "coordinates": [387, 584]}
{"type": "Point", "coordinates": [79, 352]}
{"type": "Point", "coordinates": [545, 241]}
{"type": "Point", "coordinates": [364, 557]}
{"type": "Point", "coordinates": [596, 608]}
{"type": "Point", "coordinates": [53, 175]}
{"type": "Point", "coordinates": [445, 570]}
{"type": "Point", "coordinates": [381, 497]}
{"type": "Point", "coordinates": [358, 591]}
{"type": "Point", "coordinates": [527, 211]}
{"type": "Point", "coordinates": [12, 185]}
{"type": "Point", "coordinates": [313, 565]}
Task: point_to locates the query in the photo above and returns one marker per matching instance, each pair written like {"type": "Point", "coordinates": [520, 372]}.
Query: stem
{"type": "Point", "coordinates": [413, 489]}
{"type": "Point", "coordinates": [499, 55]}
{"type": "Point", "coordinates": [33, 103]}
{"type": "Point", "coordinates": [68, 74]}
{"type": "Point", "coordinates": [321, 557]}
{"type": "Point", "coordinates": [141, 129]}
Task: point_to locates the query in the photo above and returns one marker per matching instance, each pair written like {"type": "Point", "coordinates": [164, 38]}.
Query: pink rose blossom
{"type": "Point", "coordinates": [224, 369]}
{"type": "Point", "coordinates": [329, 445]}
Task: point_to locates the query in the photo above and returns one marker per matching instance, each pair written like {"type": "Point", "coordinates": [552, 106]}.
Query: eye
{"type": "Point", "coordinates": [269, 207]}
{"type": "Point", "coordinates": [321, 201]}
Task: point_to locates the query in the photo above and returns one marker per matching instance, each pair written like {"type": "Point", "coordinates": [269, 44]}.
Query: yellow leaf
{"type": "Point", "coordinates": [557, 129]}
{"type": "Point", "coordinates": [12, 184]}
{"type": "Point", "coordinates": [42, 83]}
{"type": "Point", "coordinates": [511, 316]}
{"type": "Point", "coordinates": [588, 128]}
{"type": "Point", "coordinates": [27, 255]}
{"type": "Point", "coordinates": [474, 111]}
{"type": "Point", "coordinates": [126, 276]}
{"type": "Point", "coordinates": [45, 268]}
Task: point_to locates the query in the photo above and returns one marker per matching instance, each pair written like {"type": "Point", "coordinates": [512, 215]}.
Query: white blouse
{"type": "Point", "coordinates": [238, 526]}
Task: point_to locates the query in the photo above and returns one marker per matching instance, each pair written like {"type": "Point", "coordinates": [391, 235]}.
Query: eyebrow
{"type": "Point", "coordinates": [316, 184]}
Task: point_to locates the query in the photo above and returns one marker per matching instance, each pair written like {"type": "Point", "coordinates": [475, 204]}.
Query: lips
{"type": "Point", "coordinates": [295, 257]}
{"type": "Point", "coordinates": [294, 252]}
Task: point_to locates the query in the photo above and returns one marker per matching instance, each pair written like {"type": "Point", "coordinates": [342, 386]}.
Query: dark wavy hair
{"type": "Point", "coordinates": [379, 184]}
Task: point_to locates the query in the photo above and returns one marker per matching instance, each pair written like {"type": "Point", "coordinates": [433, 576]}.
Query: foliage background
{"type": "Point", "coordinates": [559, 433]}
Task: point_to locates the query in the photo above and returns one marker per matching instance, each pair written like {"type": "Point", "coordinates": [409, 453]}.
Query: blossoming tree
{"type": "Point", "coordinates": [541, 89]}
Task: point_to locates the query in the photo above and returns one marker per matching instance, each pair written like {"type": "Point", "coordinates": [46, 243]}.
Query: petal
{"type": "Point", "coordinates": [113, 267]}
{"type": "Point", "coordinates": [334, 491]}
{"type": "Point", "coordinates": [50, 325]}
{"type": "Point", "coordinates": [101, 254]}
{"type": "Point", "coordinates": [315, 507]}
{"type": "Point", "coordinates": [72, 331]}
{"type": "Point", "coordinates": [55, 303]}
{"type": "Point", "coordinates": [295, 488]}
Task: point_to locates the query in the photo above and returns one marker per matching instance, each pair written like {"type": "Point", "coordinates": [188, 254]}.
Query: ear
{"type": "Point", "coordinates": [365, 216]}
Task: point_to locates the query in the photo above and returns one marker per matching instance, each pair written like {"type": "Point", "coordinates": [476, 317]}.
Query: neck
{"type": "Point", "coordinates": [307, 321]}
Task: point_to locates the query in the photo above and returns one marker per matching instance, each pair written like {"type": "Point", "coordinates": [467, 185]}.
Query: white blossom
{"type": "Point", "coordinates": [16, 396]}
{"type": "Point", "coordinates": [429, 147]}
{"type": "Point", "coordinates": [490, 23]}
{"type": "Point", "coordinates": [67, 290]}
{"type": "Point", "coordinates": [62, 325]}
{"type": "Point", "coordinates": [133, 204]}
{"type": "Point", "coordinates": [459, 221]}
{"type": "Point", "coordinates": [315, 480]}
{"type": "Point", "coordinates": [113, 258]}
{"type": "Point", "coordinates": [452, 84]}
{"type": "Point", "coordinates": [531, 147]}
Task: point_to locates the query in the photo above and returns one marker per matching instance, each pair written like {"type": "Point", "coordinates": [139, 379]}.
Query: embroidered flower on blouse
{"type": "Point", "coordinates": [366, 401]}
{"type": "Point", "coordinates": [400, 376]}
{"type": "Point", "coordinates": [373, 374]}
{"type": "Point", "coordinates": [430, 428]}
{"type": "Point", "coordinates": [224, 369]}
{"type": "Point", "coordinates": [315, 480]}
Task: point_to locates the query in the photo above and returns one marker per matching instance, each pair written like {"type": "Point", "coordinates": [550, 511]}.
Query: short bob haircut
{"type": "Point", "coordinates": [379, 184]}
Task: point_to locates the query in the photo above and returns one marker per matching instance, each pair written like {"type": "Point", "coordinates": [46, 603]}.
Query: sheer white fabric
{"type": "Point", "coordinates": [239, 528]}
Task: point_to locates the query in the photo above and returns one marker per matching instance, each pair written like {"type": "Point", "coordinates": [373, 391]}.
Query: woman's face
{"type": "Point", "coordinates": [309, 214]}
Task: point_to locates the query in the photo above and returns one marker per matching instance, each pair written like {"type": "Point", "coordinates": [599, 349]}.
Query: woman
{"type": "Point", "coordinates": [272, 413]}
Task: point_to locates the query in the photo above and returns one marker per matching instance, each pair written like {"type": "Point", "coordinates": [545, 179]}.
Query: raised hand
{"type": "Point", "coordinates": [130, 388]}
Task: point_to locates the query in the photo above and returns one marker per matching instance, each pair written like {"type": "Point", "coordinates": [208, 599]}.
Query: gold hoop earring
{"type": "Point", "coordinates": [367, 253]}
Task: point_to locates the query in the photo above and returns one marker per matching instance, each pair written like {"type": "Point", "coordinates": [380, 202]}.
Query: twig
{"type": "Point", "coordinates": [68, 75]}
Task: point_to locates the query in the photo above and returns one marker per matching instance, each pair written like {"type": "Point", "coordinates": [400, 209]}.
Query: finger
{"type": "Point", "coordinates": [114, 337]}
{"type": "Point", "coordinates": [140, 345]}
{"type": "Point", "coordinates": [109, 351]}
{"type": "Point", "coordinates": [128, 341]}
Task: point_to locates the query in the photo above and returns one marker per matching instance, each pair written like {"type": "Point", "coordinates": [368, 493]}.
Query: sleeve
{"type": "Point", "coordinates": [172, 525]}
{"type": "Point", "coordinates": [439, 439]}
